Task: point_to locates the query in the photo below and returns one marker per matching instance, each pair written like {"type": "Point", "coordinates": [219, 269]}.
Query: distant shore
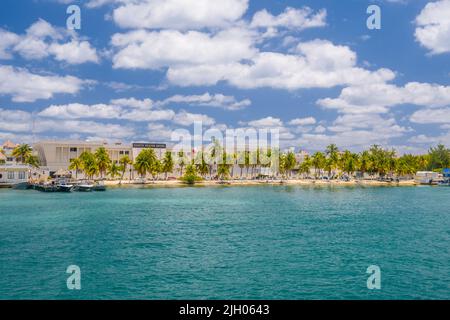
{"type": "Point", "coordinates": [125, 183]}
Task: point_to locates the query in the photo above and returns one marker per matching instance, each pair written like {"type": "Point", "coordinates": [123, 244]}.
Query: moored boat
{"type": "Point", "coordinates": [65, 187]}
{"type": "Point", "coordinates": [22, 186]}
{"type": "Point", "coordinates": [99, 186]}
{"type": "Point", "coordinates": [83, 187]}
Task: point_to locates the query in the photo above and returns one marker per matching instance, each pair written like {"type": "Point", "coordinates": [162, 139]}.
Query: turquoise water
{"type": "Point", "coordinates": [262, 242]}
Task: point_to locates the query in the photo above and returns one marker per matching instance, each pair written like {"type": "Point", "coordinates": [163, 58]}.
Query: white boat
{"type": "Point", "coordinates": [84, 187]}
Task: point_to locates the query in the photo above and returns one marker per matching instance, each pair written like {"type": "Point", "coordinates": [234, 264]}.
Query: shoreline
{"type": "Point", "coordinates": [291, 182]}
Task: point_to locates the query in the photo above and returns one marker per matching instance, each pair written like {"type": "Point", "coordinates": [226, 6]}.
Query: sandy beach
{"type": "Point", "coordinates": [125, 183]}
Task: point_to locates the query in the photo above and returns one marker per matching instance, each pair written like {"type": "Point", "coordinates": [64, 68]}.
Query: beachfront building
{"type": "Point", "coordinates": [426, 177]}
{"type": "Point", "coordinates": [56, 155]}
{"type": "Point", "coordinates": [6, 156]}
{"type": "Point", "coordinates": [11, 174]}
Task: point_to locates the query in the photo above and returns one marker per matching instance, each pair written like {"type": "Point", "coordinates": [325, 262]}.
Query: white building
{"type": "Point", "coordinates": [11, 174]}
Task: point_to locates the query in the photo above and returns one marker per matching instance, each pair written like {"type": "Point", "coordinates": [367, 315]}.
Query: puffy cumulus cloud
{"type": "Point", "coordinates": [7, 41]}
{"type": "Point", "coordinates": [230, 54]}
{"type": "Point", "coordinates": [291, 18]}
{"type": "Point", "coordinates": [433, 27]}
{"type": "Point", "coordinates": [130, 109]}
{"type": "Point", "coordinates": [154, 50]}
{"type": "Point", "coordinates": [266, 122]}
{"type": "Point", "coordinates": [74, 52]}
{"type": "Point", "coordinates": [41, 40]}
{"type": "Point", "coordinates": [17, 121]}
{"type": "Point", "coordinates": [425, 116]}
{"type": "Point", "coordinates": [303, 121]}
{"type": "Point", "coordinates": [179, 14]}
{"type": "Point", "coordinates": [354, 132]}
{"type": "Point", "coordinates": [185, 118]}
{"type": "Point", "coordinates": [133, 102]}
{"type": "Point", "coordinates": [25, 86]}
{"type": "Point", "coordinates": [209, 100]}
{"type": "Point", "coordinates": [78, 110]}
{"type": "Point", "coordinates": [423, 139]}
{"type": "Point", "coordinates": [159, 131]}
{"type": "Point", "coordinates": [318, 64]}
{"type": "Point", "coordinates": [119, 111]}
{"type": "Point", "coordinates": [379, 97]}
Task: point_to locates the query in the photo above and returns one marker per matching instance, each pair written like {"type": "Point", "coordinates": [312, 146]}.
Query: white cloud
{"type": "Point", "coordinates": [179, 14]}
{"type": "Point", "coordinates": [377, 98]}
{"type": "Point", "coordinates": [291, 18]}
{"type": "Point", "coordinates": [266, 122]}
{"type": "Point", "coordinates": [74, 52]}
{"type": "Point", "coordinates": [41, 39]}
{"type": "Point", "coordinates": [209, 100]}
{"type": "Point", "coordinates": [431, 140]}
{"type": "Point", "coordinates": [78, 111]}
{"type": "Point", "coordinates": [24, 86]}
{"type": "Point", "coordinates": [431, 116]}
{"type": "Point", "coordinates": [303, 121]}
{"type": "Point", "coordinates": [133, 102]}
{"type": "Point", "coordinates": [186, 119]}
{"type": "Point", "coordinates": [433, 27]}
{"type": "Point", "coordinates": [318, 64]}
{"type": "Point", "coordinates": [21, 121]}
{"type": "Point", "coordinates": [7, 41]}
{"type": "Point", "coordinates": [153, 50]}
{"type": "Point", "coordinates": [119, 110]}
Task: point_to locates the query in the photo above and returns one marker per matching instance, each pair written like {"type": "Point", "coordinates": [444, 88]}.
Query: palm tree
{"type": "Point", "coordinates": [167, 163]}
{"type": "Point", "coordinates": [181, 161]}
{"type": "Point", "coordinates": [89, 164]}
{"type": "Point", "coordinates": [365, 164]}
{"type": "Point", "coordinates": [305, 166]}
{"type": "Point", "coordinates": [124, 162]}
{"type": "Point", "coordinates": [156, 169]}
{"type": "Point", "coordinates": [22, 152]}
{"type": "Point", "coordinates": [145, 162]}
{"type": "Point", "coordinates": [332, 153]}
{"type": "Point", "coordinates": [103, 160]}
{"type": "Point", "coordinates": [76, 164]}
{"type": "Point", "coordinates": [318, 161]}
{"type": "Point", "coordinates": [215, 152]}
{"type": "Point", "coordinates": [202, 166]}
{"type": "Point", "coordinates": [291, 162]}
{"type": "Point", "coordinates": [223, 169]}
{"type": "Point", "coordinates": [114, 170]}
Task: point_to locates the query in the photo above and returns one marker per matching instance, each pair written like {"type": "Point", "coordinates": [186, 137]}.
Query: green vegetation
{"type": "Point", "coordinates": [332, 163]}
{"type": "Point", "coordinates": [191, 176]}
{"type": "Point", "coordinates": [24, 154]}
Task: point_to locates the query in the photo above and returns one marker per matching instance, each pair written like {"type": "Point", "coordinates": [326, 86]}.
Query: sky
{"type": "Point", "coordinates": [137, 70]}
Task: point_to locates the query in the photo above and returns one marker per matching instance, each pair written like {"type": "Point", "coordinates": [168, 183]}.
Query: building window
{"type": "Point", "coordinates": [127, 152]}
{"type": "Point", "coordinates": [9, 159]}
{"type": "Point", "coordinates": [10, 175]}
{"type": "Point", "coordinates": [21, 175]}
{"type": "Point", "coordinates": [120, 152]}
{"type": "Point", "coordinates": [73, 149]}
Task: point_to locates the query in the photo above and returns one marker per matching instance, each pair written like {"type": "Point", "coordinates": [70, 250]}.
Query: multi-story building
{"type": "Point", "coordinates": [57, 155]}
{"type": "Point", "coordinates": [10, 171]}
{"type": "Point", "coordinates": [8, 148]}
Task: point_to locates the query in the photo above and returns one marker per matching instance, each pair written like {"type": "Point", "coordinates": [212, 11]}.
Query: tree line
{"type": "Point", "coordinates": [216, 163]}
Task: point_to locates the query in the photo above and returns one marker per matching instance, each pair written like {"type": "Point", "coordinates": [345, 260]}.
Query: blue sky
{"type": "Point", "coordinates": [139, 69]}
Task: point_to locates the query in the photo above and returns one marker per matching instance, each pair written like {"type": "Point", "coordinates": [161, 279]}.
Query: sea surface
{"type": "Point", "coordinates": [252, 242]}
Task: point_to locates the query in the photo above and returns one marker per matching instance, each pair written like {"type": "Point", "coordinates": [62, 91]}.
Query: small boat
{"type": "Point", "coordinates": [22, 186]}
{"type": "Point", "coordinates": [46, 187]}
{"type": "Point", "coordinates": [83, 187]}
{"type": "Point", "coordinates": [65, 187]}
{"type": "Point", "coordinates": [99, 187]}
